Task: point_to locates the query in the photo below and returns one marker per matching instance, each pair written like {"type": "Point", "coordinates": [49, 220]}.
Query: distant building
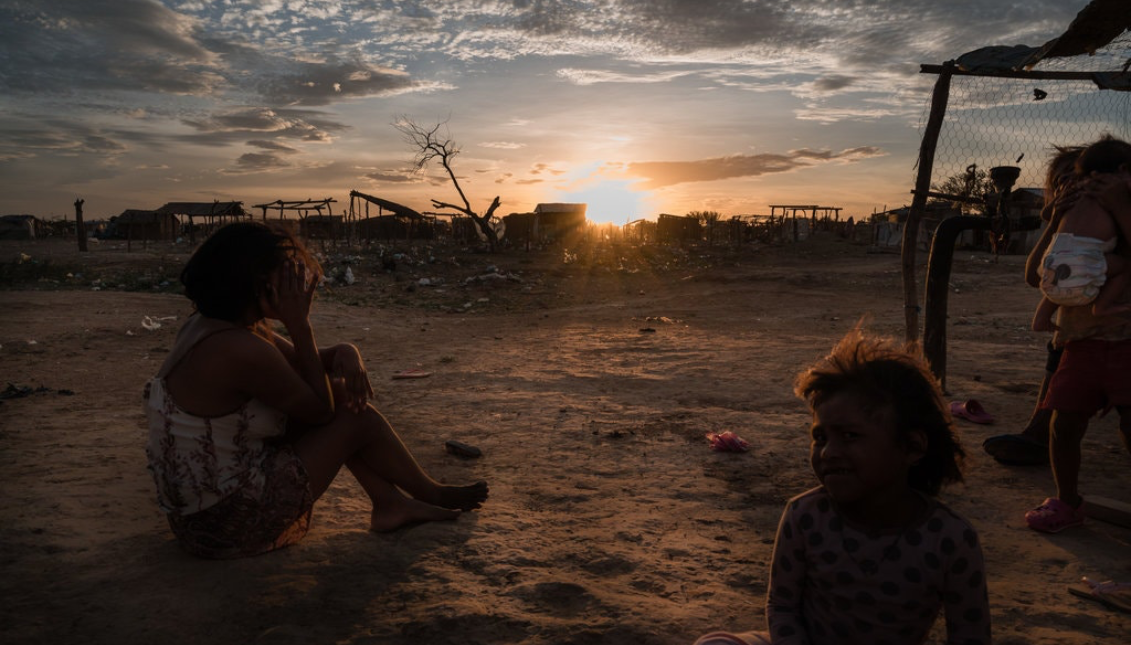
{"type": "Point", "coordinates": [20, 227]}
{"type": "Point", "coordinates": [556, 221]}
{"type": "Point", "coordinates": [546, 224]}
{"type": "Point", "coordinates": [134, 224]}
{"type": "Point", "coordinates": [678, 228]}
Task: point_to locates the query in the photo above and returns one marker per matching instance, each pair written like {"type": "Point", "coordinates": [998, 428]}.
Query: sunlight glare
{"type": "Point", "coordinates": [609, 201]}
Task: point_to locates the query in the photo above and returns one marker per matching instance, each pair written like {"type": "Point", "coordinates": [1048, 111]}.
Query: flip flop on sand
{"type": "Point", "coordinates": [971, 410]}
{"type": "Point", "coordinates": [411, 374]}
{"type": "Point", "coordinates": [727, 442]}
{"type": "Point", "coordinates": [1113, 595]}
{"type": "Point", "coordinates": [1017, 450]}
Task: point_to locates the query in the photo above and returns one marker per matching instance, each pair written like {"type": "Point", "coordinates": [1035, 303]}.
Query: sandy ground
{"type": "Point", "coordinates": [610, 521]}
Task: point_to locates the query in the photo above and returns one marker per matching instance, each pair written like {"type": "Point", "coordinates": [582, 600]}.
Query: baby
{"type": "Point", "coordinates": [1079, 265]}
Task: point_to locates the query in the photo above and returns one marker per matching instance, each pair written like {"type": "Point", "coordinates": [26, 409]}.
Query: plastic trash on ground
{"type": "Point", "coordinates": [727, 442]}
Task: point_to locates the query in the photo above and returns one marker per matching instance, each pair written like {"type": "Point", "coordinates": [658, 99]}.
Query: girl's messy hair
{"type": "Point", "coordinates": [1061, 169]}
{"type": "Point", "coordinates": [230, 270]}
{"type": "Point", "coordinates": [892, 381]}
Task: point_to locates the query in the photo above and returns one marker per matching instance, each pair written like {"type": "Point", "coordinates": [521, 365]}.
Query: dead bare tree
{"type": "Point", "coordinates": [436, 144]}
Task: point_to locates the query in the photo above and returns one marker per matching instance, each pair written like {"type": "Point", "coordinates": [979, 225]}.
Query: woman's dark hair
{"type": "Point", "coordinates": [1106, 155]}
{"type": "Point", "coordinates": [894, 380]}
{"type": "Point", "coordinates": [228, 273]}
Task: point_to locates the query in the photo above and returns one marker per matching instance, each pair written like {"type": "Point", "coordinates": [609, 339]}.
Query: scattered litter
{"type": "Point", "coordinates": [349, 279]}
{"type": "Point", "coordinates": [32, 341]}
{"type": "Point", "coordinates": [411, 374]}
{"type": "Point", "coordinates": [14, 391]}
{"type": "Point", "coordinates": [1113, 595]}
{"type": "Point", "coordinates": [150, 324]}
{"type": "Point", "coordinates": [647, 330]}
{"type": "Point", "coordinates": [461, 449]}
{"type": "Point", "coordinates": [727, 442]}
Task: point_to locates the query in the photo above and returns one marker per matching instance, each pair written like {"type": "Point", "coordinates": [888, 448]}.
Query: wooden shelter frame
{"type": "Point", "coordinates": [793, 209]}
{"type": "Point", "coordinates": [211, 212]}
{"type": "Point", "coordinates": [935, 296]}
{"type": "Point", "coordinates": [302, 207]}
{"type": "Point", "coordinates": [357, 199]}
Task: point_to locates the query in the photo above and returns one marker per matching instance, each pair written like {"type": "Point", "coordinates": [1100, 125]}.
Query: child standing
{"type": "Point", "coordinates": [870, 556]}
{"type": "Point", "coordinates": [1095, 370]}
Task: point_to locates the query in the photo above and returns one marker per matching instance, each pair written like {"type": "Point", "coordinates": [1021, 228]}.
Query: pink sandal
{"type": "Point", "coordinates": [1053, 516]}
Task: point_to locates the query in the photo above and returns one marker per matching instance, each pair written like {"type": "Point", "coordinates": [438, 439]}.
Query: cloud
{"type": "Point", "coordinates": [135, 45]}
{"type": "Point", "coordinates": [226, 127]}
{"type": "Point", "coordinates": [393, 176]}
{"type": "Point", "coordinates": [659, 174]}
{"type": "Point", "coordinates": [326, 83]}
{"type": "Point", "coordinates": [274, 146]}
{"type": "Point", "coordinates": [833, 82]}
{"type": "Point", "coordinates": [540, 168]}
{"type": "Point", "coordinates": [259, 162]}
{"type": "Point", "coordinates": [593, 77]}
{"type": "Point", "coordinates": [502, 145]}
{"type": "Point", "coordinates": [24, 137]}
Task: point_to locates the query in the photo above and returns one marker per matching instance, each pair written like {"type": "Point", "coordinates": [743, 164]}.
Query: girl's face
{"type": "Point", "coordinates": [857, 455]}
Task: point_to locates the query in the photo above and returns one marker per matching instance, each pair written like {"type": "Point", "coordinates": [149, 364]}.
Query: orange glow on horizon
{"type": "Point", "coordinates": [610, 201]}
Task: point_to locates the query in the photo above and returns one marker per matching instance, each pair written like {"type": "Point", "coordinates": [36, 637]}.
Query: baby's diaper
{"type": "Point", "coordinates": [1074, 268]}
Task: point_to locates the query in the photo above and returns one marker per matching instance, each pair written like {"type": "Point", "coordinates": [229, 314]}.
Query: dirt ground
{"type": "Point", "coordinates": [587, 377]}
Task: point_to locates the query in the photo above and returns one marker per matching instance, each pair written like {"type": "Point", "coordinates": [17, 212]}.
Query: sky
{"type": "Point", "coordinates": [635, 107]}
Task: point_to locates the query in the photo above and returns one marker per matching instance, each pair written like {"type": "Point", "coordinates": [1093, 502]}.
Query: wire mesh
{"type": "Point", "coordinates": [994, 121]}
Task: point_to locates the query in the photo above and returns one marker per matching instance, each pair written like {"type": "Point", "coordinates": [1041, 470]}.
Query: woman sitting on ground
{"type": "Point", "coordinates": [247, 428]}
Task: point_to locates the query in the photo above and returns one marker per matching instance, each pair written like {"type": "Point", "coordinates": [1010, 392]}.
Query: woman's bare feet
{"type": "Point", "coordinates": [395, 513]}
{"type": "Point", "coordinates": [463, 498]}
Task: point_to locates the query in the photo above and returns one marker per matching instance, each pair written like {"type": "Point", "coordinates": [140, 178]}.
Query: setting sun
{"type": "Point", "coordinates": [610, 201]}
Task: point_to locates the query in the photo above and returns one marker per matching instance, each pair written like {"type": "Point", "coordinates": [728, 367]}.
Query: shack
{"type": "Point", "coordinates": [135, 224]}
{"type": "Point", "coordinates": [557, 221]}
{"type": "Point", "coordinates": [20, 227]}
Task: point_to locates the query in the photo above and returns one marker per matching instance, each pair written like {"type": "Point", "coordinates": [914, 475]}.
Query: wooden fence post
{"type": "Point", "coordinates": [80, 227]}
{"type": "Point", "coordinates": [919, 202]}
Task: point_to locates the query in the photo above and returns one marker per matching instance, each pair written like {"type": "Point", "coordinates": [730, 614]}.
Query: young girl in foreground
{"type": "Point", "coordinates": [870, 556]}
{"type": "Point", "coordinates": [247, 428]}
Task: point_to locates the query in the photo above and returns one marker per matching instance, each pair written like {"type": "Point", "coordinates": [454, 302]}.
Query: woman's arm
{"type": "Point", "coordinates": [342, 361]}
{"type": "Point", "coordinates": [269, 375]}
{"type": "Point", "coordinates": [1033, 262]}
{"type": "Point", "coordinates": [1053, 212]}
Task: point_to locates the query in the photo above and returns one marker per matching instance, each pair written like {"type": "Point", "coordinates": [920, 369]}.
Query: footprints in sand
{"type": "Point", "coordinates": [555, 597]}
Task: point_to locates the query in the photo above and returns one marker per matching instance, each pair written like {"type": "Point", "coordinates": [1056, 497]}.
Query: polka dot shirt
{"type": "Point", "coordinates": [833, 583]}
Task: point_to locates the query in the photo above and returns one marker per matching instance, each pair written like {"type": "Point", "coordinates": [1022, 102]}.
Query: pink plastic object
{"type": "Point", "coordinates": [727, 442]}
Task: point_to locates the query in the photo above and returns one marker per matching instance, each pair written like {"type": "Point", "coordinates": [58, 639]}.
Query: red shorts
{"type": "Point", "coordinates": [1093, 375]}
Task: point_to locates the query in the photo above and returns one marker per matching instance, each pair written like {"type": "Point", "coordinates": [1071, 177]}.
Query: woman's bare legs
{"type": "Point", "coordinates": [371, 449]}
{"type": "Point", "coordinates": [392, 509]}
